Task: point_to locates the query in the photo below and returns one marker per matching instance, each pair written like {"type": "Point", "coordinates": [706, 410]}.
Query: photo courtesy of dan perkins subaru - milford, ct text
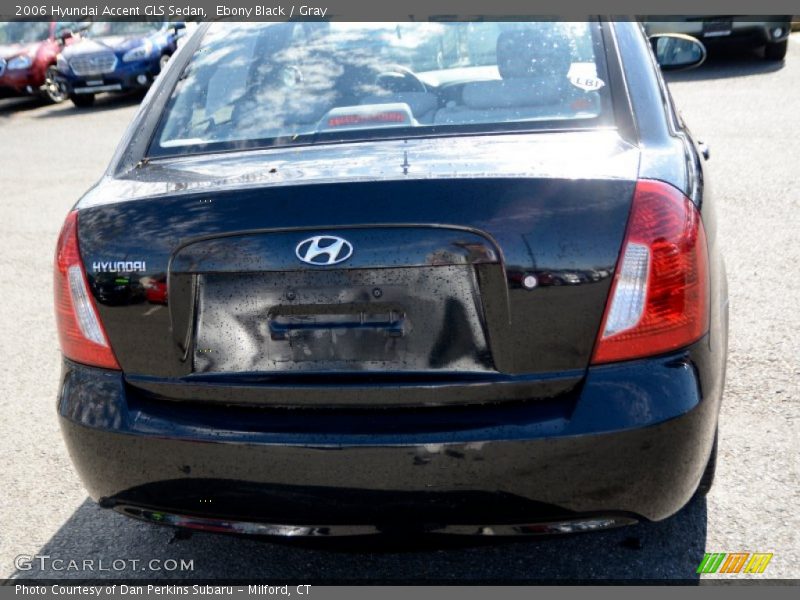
{"type": "Point", "coordinates": [150, 589]}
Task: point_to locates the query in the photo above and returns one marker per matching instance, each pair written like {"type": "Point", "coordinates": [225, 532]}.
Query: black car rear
{"type": "Point", "coordinates": [478, 293]}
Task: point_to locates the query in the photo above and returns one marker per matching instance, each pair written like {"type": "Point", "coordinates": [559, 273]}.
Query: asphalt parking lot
{"type": "Point", "coordinates": [747, 110]}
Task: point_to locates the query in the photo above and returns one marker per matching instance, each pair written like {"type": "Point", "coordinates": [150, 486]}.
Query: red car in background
{"type": "Point", "coordinates": [28, 52]}
{"type": "Point", "coordinates": [155, 289]}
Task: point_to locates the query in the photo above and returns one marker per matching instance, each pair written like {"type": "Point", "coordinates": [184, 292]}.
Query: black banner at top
{"type": "Point", "coordinates": [361, 10]}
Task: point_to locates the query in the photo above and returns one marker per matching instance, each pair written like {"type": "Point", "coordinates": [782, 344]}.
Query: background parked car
{"type": "Point", "coordinates": [116, 57]}
{"type": "Point", "coordinates": [115, 289]}
{"type": "Point", "coordinates": [28, 53]}
{"type": "Point", "coordinates": [772, 34]}
{"type": "Point", "coordinates": [155, 288]}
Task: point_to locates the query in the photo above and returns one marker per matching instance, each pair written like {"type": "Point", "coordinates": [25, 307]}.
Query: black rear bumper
{"type": "Point", "coordinates": [632, 440]}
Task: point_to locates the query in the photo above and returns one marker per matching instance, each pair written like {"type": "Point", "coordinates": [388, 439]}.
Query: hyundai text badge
{"type": "Point", "coordinates": [324, 250]}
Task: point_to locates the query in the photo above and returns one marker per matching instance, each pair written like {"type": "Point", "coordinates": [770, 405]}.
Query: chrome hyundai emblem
{"type": "Point", "coordinates": [324, 250]}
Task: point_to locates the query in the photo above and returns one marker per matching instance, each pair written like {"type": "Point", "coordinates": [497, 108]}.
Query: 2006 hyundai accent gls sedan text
{"type": "Point", "coordinates": [438, 277]}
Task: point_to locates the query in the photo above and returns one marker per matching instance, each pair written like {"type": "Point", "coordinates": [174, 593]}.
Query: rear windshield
{"type": "Point", "coordinates": [268, 84]}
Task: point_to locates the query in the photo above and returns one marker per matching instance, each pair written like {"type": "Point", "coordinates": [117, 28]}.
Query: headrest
{"type": "Point", "coordinates": [540, 51]}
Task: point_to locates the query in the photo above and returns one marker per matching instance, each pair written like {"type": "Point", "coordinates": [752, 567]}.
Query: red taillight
{"type": "Point", "coordinates": [659, 298]}
{"type": "Point", "coordinates": [80, 331]}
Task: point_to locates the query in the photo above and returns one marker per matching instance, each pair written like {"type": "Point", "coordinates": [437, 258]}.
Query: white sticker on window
{"type": "Point", "coordinates": [589, 84]}
{"type": "Point", "coordinates": [584, 76]}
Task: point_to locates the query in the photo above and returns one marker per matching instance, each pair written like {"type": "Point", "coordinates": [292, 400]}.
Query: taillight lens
{"type": "Point", "coordinates": [659, 297]}
{"type": "Point", "coordinates": [80, 331]}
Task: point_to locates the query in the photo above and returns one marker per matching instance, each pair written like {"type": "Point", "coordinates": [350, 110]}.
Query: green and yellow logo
{"type": "Point", "coordinates": [734, 562]}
